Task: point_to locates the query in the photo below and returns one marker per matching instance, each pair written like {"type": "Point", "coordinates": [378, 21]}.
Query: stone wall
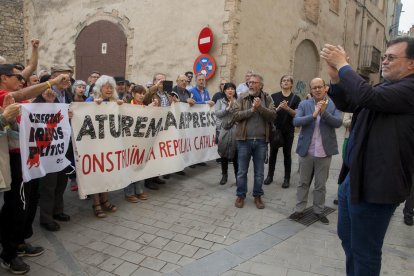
{"type": "Point", "coordinates": [11, 30]}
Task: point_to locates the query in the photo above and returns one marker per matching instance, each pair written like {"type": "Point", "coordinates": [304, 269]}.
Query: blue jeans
{"type": "Point", "coordinates": [255, 148]}
{"type": "Point", "coordinates": [361, 228]}
{"type": "Point", "coordinates": [134, 188]}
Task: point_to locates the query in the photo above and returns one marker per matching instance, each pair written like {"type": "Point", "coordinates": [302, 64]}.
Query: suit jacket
{"type": "Point", "coordinates": [330, 119]}
{"type": "Point", "coordinates": [382, 156]}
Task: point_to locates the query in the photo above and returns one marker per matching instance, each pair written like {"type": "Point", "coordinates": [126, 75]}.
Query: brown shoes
{"type": "Point", "coordinates": [259, 203]}
{"type": "Point", "coordinates": [239, 202]}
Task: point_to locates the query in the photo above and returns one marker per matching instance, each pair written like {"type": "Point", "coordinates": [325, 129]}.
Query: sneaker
{"type": "Point", "coordinates": [322, 219]}
{"type": "Point", "coordinates": [28, 250]}
{"type": "Point", "coordinates": [239, 202]}
{"type": "Point", "coordinates": [296, 216]}
{"type": "Point", "coordinates": [16, 266]}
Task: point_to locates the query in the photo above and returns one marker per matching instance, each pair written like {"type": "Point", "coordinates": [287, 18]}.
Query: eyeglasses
{"type": "Point", "coordinates": [390, 57]}
{"type": "Point", "coordinates": [222, 84]}
{"type": "Point", "coordinates": [253, 82]}
{"type": "Point", "coordinates": [317, 87]}
{"type": "Point", "coordinates": [18, 76]}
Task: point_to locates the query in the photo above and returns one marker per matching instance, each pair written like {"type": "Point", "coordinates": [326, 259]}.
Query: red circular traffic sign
{"type": "Point", "coordinates": [205, 40]}
{"type": "Point", "coordinates": [205, 64]}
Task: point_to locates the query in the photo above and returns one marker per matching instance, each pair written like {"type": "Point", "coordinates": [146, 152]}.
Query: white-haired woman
{"type": "Point", "coordinates": [104, 91]}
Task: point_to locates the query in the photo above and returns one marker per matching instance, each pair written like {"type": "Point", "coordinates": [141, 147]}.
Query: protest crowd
{"type": "Point", "coordinates": [249, 124]}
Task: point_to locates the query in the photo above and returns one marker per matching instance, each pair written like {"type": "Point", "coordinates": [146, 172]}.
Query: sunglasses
{"type": "Point", "coordinates": [18, 76]}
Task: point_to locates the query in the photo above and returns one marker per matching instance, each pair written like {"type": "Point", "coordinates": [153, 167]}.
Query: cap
{"type": "Point", "coordinates": [119, 79]}
{"type": "Point", "coordinates": [61, 68]}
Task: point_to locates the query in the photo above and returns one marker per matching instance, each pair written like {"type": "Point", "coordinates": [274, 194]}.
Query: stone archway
{"type": "Point", "coordinates": [306, 66]}
{"type": "Point", "coordinates": [101, 46]}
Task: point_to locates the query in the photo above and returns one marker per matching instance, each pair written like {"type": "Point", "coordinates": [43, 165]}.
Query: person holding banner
{"type": "Point", "coordinates": [103, 91]}
{"type": "Point", "coordinates": [53, 185]}
{"type": "Point", "coordinates": [15, 219]}
{"type": "Point", "coordinates": [135, 191]}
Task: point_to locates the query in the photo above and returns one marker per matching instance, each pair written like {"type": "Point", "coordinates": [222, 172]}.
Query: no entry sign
{"type": "Point", "coordinates": [205, 40]}
{"type": "Point", "coordinates": [205, 64]}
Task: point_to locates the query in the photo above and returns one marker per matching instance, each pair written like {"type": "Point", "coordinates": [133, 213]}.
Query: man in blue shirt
{"type": "Point", "coordinates": [199, 92]}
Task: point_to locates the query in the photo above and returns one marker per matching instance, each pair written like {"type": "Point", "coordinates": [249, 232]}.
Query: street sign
{"type": "Point", "coordinates": [205, 64]}
{"type": "Point", "coordinates": [205, 40]}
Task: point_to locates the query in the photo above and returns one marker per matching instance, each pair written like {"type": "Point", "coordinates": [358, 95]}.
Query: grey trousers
{"type": "Point", "coordinates": [51, 189]}
{"type": "Point", "coordinates": [320, 167]}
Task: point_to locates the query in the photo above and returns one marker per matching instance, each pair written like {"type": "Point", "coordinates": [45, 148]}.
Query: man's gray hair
{"type": "Point", "coordinates": [104, 79]}
{"type": "Point", "coordinates": [255, 75]}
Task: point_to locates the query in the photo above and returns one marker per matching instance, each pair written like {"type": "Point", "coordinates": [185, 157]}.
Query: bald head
{"type": "Point", "coordinates": [182, 81]}
{"type": "Point", "coordinates": [318, 89]}
{"type": "Point", "coordinates": [3, 60]}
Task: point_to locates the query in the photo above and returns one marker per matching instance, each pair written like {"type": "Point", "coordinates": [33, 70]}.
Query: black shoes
{"type": "Point", "coordinates": [51, 226]}
{"type": "Point", "coordinates": [408, 220]}
{"type": "Point", "coordinates": [223, 179]}
{"type": "Point", "coordinates": [268, 180]}
{"type": "Point", "coordinates": [28, 250]}
{"type": "Point", "coordinates": [296, 216]}
{"type": "Point", "coordinates": [322, 219]}
{"type": "Point", "coordinates": [158, 180]}
{"type": "Point", "coordinates": [335, 201]}
{"type": "Point", "coordinates": [181, 173]}
{"type": "Point", "coordinates": [151, 185]}
{"type": "Point", "coordinates": [61, 217]}
{"type": "Point", "coordinates": [16, 266]}
{"type": "Point", "coordinates": [286, 183]}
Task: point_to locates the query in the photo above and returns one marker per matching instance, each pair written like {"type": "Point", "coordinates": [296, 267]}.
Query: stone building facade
{"type": "Point", "coordinates": [273, 38]}
{"type": "Point", "coordinates": [11, 30]}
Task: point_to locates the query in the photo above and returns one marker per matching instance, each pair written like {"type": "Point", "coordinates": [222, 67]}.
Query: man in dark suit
{"type": "Point", "coordinates": [380, 152]}
{"type": "Point", "coordinates": [318, 118]}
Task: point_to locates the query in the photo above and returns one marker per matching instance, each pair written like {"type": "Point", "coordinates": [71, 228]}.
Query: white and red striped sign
{"type": "Point", "coordinates": [205, 40]}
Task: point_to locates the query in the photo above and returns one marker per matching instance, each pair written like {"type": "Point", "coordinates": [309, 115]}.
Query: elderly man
{"type": "Point", "coordinates": [244, 86]}
{"type": "Point", "coordinates": [318, 118]}
{"type": "Point", "coordinates": [253, 112]}
{"type": "Point", "coordinates": [180, 91]}
{"type": "Point", "coordinates": [380, 151]}
{"type": "Point", "coordinates": [53, 185]}
{"type": "Point", "coordinates": [157, 94]}
{"type": "Point", "coordinates": [200, 92]}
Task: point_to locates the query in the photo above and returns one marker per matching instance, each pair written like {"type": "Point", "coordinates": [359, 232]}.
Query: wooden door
{"type": "Point", "coordinates": [101, 47]}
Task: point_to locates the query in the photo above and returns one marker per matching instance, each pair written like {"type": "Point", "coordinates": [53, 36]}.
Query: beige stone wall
{"type": "Point", "coordinates": [269, 36]}
{"type": "Point", "coordinates": [11, 30]}
{"type": "Point", "coordinates": [262, 35]}
{"type": "Point", "coordinates": [161, 34]}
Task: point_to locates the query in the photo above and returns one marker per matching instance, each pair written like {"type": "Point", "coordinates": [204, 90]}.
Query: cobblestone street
{"type": "Point", "coordinates": [191, 227]}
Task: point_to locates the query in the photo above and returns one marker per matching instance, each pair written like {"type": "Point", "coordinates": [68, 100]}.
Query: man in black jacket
{"type": "Point", "coordinates": [380, 152]}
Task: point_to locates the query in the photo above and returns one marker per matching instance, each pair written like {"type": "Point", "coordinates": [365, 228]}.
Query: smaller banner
{"type": "Point", "coordinates": [44, 138]}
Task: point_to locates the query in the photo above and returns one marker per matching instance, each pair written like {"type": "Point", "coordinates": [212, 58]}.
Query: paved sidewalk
{"type": "Point", "coordinates": [191, 227]}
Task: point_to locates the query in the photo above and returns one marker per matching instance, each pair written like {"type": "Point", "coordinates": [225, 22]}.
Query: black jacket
{"type": "Point", "coordinates": [382, 164]}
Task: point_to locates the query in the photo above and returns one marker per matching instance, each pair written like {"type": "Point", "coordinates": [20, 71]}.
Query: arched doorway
{"type": "Point", "coordinates": [101, 46]}
{"type": "Point", "coordinates": [306, 66]}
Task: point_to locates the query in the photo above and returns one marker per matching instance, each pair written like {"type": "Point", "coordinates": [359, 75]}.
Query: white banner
{"type": "Point", "coordinates": [116, 145]}
{"type": "Point", "coordinates": [44, 138]}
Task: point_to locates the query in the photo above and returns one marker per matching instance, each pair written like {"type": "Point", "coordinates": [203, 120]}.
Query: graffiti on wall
{"type": "Point", "coordinates": [300, 89]}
